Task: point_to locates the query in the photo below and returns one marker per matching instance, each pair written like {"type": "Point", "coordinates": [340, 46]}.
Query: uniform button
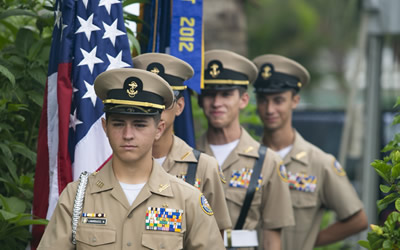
{"type": "Point", "coordinates": [129, 244]}
{"type": "Point", "coordinates": [162, 246]}
{"type": "Point", "coordinates": [94, 239]}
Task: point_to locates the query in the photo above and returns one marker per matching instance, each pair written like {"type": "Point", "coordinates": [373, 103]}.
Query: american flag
{"type": "Point", "coordinates": [89, 37]}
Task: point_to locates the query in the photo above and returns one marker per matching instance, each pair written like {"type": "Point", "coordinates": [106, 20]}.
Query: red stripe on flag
{"type": "Point", "coordinates": [64, 96]}
{"type": "Point", "coordinates": [41, 185]}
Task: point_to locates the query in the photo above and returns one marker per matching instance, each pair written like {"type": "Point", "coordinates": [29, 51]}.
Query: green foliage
{"type": "Point", "coordinates": [25, 39]}
{"type": "Point", "coordinates": [14, 222]}
{"type": "Point", "coordinates": [387, 236]}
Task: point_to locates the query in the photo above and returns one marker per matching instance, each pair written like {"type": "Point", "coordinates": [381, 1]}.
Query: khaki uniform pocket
{"type": "Point", "coordinates": [95, 238]}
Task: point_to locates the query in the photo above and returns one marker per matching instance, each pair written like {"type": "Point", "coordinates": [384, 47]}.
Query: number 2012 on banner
{"type": "Point", "coordinates": [186, 34]}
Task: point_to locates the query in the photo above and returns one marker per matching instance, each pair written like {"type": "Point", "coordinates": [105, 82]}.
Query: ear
{"type": "Point", "coordinates": [104, 124]}
{"type": "Point", "coordinates": [295, 100]}
{"type": "Point", "coordinates": [160, 129]}
{"type": "Point", "coordinates": [244, 100]}
{"type": "Point", "coordinates": [180, 105]}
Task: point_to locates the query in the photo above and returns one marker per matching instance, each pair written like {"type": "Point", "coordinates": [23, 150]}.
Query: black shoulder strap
{"type": "Point", "coordinates": [192, 168]}
{"type": "Point", "coordinates": [252, 187]}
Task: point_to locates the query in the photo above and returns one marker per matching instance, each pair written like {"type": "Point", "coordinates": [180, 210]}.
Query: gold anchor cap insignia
{"type": "Point", "coordinates": [214, 72]}
{"type": "Point", "coordinates": [155, 70]}
{"type": "Point", "coordinates": [132, 90]}
{"type": "Point", "coordinates": [266, 72]}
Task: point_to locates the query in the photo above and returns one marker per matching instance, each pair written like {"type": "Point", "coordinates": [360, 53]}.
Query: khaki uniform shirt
{"type": "Point", "coordinates": [208, 178]}
{"type": "Point", "coordinates": [134, 226]}
{"type": "Point", "coordinates": [271, 207]}
{"type": "Point", "coordinates": [316, 181]}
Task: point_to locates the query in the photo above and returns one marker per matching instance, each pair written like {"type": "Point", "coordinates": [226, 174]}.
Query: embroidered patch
{"type": "Point", "coordinates": [205, 206]}
{"type": "Point", "coordinates": [164, 219]}
{"type": "Point", "coordinates": [338, 168]}
{"type": "Point", "coordinates": [196, 184]}
{"type": "Point", "coordinates": [241, 179]}
{"type": "Point", "coordinates": [282, 172]}
{"type": "Point", "coordinates": [302, 182]}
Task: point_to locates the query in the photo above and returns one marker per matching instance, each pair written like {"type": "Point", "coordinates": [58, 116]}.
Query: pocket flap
{"type": "Point", "coordinates": [162, 240]}
{"type": "Point", "coordinates": [303, 200]}
{"type": "Point", "coordinates": [95, 236]}
{"type": "Point", "coordinates": [237, 195]}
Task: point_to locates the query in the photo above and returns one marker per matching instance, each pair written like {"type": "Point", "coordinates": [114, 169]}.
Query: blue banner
{"type": "Point", "coordinates": [187, 37]}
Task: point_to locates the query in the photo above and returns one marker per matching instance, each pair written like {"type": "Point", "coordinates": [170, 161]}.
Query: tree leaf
{"type": "Point", "coordinates": [364, 244]}
{"type": "Point", "coordinates": [397, 204]}
{"type": "Point", "coordinates": [129, 2]}
{"type": "Point", "coordinates": [24, 40]}
{"type": "Point", "coordinates": [15, 205]}
{"type": "Point", "coordinates": [35, 97]}
{"type": "Point", "coordinates": [5, 72]}
{"type": "Point", "coordinates": [383, 169]}
{"type": "Point", "coordinates": [397, 102]}
{"type": "Point", "coordinates": [6, 150]}
{"type": "Point", "coordinates": [135, 43]}
{"type": "Point", "coordinates": [396, 120]}
{"type": "Point", "coordinates": [396, 171]}
{"type": "Point", "coordinates": [388, 199]}
{"type": "Point", "coordinates": [23, 150]}
{"type": "Point", "coordinates": [8, 215]}
{"type": "Point", "coordinates": [16, 12]}
{"type": "Point", "coordinates": [12, 168]}
{"type": "Point", "coordinates": [38, 74]}
{"type": "Point", "coordinates": [384, 188]}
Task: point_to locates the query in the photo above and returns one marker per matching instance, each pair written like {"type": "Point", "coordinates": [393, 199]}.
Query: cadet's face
{"type": "Point", "coordinates": [222, 107]}
{"type": "Point", "coordinates": [131, 136]}
{"type": "Point", "coordinates": [275, 110]}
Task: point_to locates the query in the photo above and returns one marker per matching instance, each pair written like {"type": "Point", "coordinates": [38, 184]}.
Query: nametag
{"type": "Point", "coordinates": [241, 238]}
{"type": "Point", "coordinates": [97, 221]}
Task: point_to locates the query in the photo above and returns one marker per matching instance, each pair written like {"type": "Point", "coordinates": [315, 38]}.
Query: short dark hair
{"type": "Point", "coordinates": [156, 117]}
{"type": "Point", "coordinates": [241, 90]}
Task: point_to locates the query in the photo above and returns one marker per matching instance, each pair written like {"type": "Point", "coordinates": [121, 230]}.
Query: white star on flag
{"type": "Point", "coordinates": [90, 93]}
{"type": "Point", "coordinates": [116, 62]}
{"type": "Point", "coordinates": [112, 32]}
{"type": "Point", "coordinates": [73, 120]}
{"type": "Point", "coordinates": [90, 59]}
{"type": "Point", "coordinates": [58, 16]}
{"type": "Point", "coordinates": [85, 3]}
{"type": "Point", "coordinates": [87, 26]}
{"type": "Point", "coordinates": [107, 4]}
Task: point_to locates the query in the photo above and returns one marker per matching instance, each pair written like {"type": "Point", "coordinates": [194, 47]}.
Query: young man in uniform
{"type": "Point", "coordinates": [172, 152]}
{"type": "Point", "coordinates": [316, 180]}
{"type": "Point", "coordinates": [255, 201]}
{"type": "Point", "coordinates": [132, 203]}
